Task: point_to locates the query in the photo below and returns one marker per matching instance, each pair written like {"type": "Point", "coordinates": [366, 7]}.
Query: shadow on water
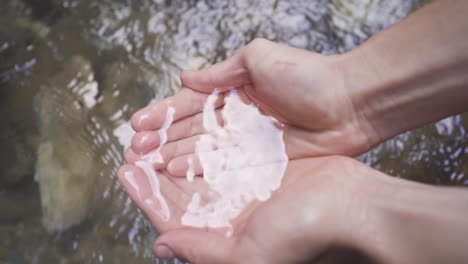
{"type": "Point", "coordinates": [72, 72]}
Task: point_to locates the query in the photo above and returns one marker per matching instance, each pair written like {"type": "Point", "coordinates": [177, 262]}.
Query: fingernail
{"type": "Point", "coordinates": [135, 120]}
{"type": "Point", "coordinates": [164, 252]}
{"type": "Point", "coordinates": [140, 141]}
{"type": "Point", "coordinates": [142, 119]}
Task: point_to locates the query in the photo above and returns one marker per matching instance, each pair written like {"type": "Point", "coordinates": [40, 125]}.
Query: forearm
{"type": "Point", "coordinates": [414, 223]}
{"type": "Point", "coordinates": [413, 73]}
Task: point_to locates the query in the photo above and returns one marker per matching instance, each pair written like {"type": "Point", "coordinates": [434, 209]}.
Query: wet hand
{"type": "Point", "coordinates": [306, 216]}
{"type": "Point", "coordinates": [323, 203]}
{"type": "Point", "coordinates": [302, 89]}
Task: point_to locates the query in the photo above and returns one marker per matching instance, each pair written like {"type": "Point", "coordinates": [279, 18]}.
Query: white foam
{"type": "Point", "coordinates": [146, 164]}
{"type": "Point", "coordinates": [131, 179]}
{"type": "Point", "coordinates": [155, 155]}
{"type": "Point", "coordinates": [190, 171]}
{"type": "Point", "coordinates": [209, 116]}
{"type": "Point", "coordinates": [163, 212]}
{"type": "Point", "coordinates": [242, 161]}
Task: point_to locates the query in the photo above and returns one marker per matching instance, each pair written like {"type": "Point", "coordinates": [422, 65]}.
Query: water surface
{"type": "Point", "coordinates": [72, 72]}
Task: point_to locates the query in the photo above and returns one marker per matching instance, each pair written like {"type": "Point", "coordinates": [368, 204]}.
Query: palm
{"type": "Point", "coordinates": [262, 230]}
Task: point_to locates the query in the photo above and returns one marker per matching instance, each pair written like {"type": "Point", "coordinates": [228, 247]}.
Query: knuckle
{"type": "Point", "coordinates": [256, 44]}
{"type": "Point", "coordinates": [257, 50]}
{"type": "Point", "coordinates": [259, 42]}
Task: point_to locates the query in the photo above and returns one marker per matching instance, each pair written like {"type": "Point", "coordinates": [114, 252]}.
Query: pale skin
{"type": "Point", "coordinates": [411, 74]}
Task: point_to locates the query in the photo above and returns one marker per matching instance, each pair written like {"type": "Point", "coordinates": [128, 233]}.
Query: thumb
{"type": "Point", "coordinates": [194, 245]}
{"type": "Point", "coordinates": [224, 75]}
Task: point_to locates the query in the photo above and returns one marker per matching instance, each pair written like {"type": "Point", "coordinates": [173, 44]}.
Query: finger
{"type": "Point", "coordinates": [191, 126]}
{"type": "Point", "coordinates": [139, 187]}
{"type": "Point", "coordinates": [185, 103]}
{"type": "Point", "coordinates": [130, 156]}
{"type": "Point", "coordinates": [185, 243]}
{"type": "Point", "coordinates": [145, 141]}
{"type": "Point", "coordinates": [185, 166]}
{"type": "Point", "coordinates": [134, 183]}
{"type": "Point", "coordinates": [171, 150]}
{"type": "Point", "coordinates": [225, 75]}
{"type": "Point", "coordinates": [159, 158]}
{"type": "Point", "coordinates": [185, 157]}
{"type": "Point", "coordinates": [198, 185]}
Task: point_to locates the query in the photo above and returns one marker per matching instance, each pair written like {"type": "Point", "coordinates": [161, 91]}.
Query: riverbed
{"type": "Point", "coordinates": [72, 73]}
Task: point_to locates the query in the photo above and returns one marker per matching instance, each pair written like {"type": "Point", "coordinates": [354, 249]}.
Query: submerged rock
{"type": "Point", "coordinates": [66, 168]}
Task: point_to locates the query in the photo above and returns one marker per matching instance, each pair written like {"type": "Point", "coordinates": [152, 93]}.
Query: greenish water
{"type": "Point", "coordinates": [72, 72]}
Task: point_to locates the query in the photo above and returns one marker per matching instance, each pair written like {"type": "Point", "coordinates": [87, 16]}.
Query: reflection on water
{"type": "Point", "coordinates": [436, 154]}
{"type": "Point", "coordinates": [72, 72]}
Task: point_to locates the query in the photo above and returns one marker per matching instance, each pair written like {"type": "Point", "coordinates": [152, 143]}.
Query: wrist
{"type": "Point", "coordinates": [359, 81]}
{"type": "Point", "coordinates": [403, 77]}
{"type": "Point", "coordinates": [406, 222]}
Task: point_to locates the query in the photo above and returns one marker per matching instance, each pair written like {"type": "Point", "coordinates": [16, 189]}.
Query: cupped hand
{"type": "Point", "coordinates": [304, 90]}
{"type": "Point", "coordinates": [312, 211]}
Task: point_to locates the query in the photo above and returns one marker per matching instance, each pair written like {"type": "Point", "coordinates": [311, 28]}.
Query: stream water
{"type": "Point", "coordinates": [72, 73]}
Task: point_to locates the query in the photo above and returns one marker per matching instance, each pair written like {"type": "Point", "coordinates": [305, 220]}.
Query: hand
{"type": "Point", "coordinates": [303, 89]}
{"type": "Point", "coordinates": [299, 222]}
{"type": "Point", "coordinates": [323, 203]}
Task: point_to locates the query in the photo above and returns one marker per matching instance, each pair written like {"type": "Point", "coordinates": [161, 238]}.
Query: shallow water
{"type": "Point", "coordinates": [71, 72]}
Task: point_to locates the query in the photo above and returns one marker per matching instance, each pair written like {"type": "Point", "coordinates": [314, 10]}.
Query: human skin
{"type": "Point", "coordinates": [297, 87]}
{"type": "Point", "coordinates": [406, 76]}
{"type": "Point", "coordinates": [323, 203]}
